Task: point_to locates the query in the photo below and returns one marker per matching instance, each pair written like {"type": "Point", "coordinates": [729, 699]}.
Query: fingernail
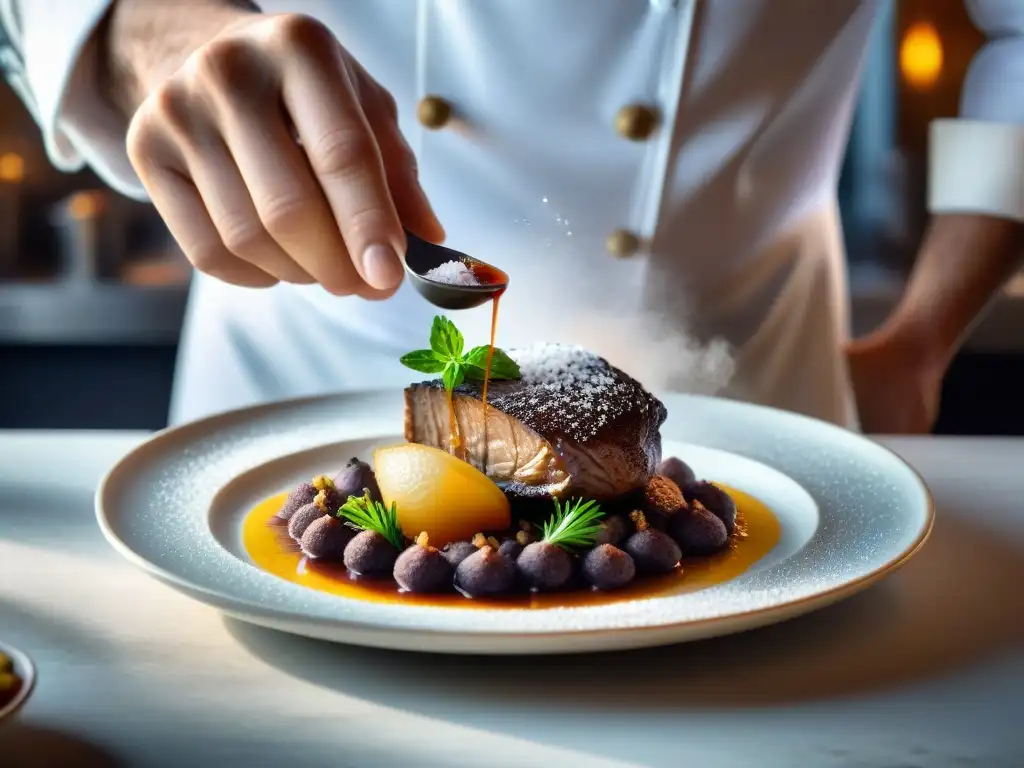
{"type": "Point", "coordinates": [381, 266]}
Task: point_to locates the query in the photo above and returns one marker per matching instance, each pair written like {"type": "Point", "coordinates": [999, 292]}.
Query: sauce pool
{"type": "Point", "coordinates": [272, 550]}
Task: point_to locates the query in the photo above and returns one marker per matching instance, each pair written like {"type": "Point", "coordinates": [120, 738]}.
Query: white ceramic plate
{"type": "Point", "coordinates": [850, 511]}
{"type": "Point", "coordinates": [24, 669]}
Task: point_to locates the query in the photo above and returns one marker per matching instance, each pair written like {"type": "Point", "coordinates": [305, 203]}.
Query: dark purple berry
{"type": "Point", "coordinates": [715, 500]}
{"type": "Point", "coordinates": [613, 530]}
{"type": "Point", "coordinates": [544, 566]}
{"type": "Point", "coordinates": [423, 569]}
{"type": "Point", "coordinates": [300, 496]}
{"type": "Point", "coordinates": [653, 551]}
{"type": "Point", "coordinates": [355, 478]}
{"type": "Point", "coordinates": [677, 470]}
{"type": "Point", "coordinates": [698, 531]}
{"type": "Point", "coordinates": [370, 554]}
{"type": "Point", "coordinates": [510, 548]}
{"type": "Point", "coordinates": [485, 572]}
{"type": "Point", "coordinates": [662, 498]}
{"type": "Point", "coordinates": [606, 567]}
{"type": "Point", "coordinates": [457, 551]}
{"type": "Point", "coordinates": [302, 519]}
{"type": "Point", "coordinates": [326, 538]}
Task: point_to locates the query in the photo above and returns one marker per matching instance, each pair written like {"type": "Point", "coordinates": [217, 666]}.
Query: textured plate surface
{"type": "Point", "coordinates": [850, 511]}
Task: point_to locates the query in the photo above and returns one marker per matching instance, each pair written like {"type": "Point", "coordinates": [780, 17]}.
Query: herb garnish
{"type": "Point", "coordinates": [574, 525]}
{"type": "Point", "coordinates": [365, 514]}
{"type": "Point", "coordinates": [446, 357]}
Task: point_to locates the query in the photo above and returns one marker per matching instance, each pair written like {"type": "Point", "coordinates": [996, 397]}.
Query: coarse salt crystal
{"type": "Point", "coordinates": [452, 273]}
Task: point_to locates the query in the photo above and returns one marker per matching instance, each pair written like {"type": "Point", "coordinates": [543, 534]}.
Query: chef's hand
{"type": "Point", "coordinates": [217, 96]}
{"type": "Point", "coordinates": [897, 388]}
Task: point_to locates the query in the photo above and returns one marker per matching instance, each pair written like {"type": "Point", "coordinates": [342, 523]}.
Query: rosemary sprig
{"type": "Point", "coordinates": [365, 514]}
{"type": "Point", "coordinates": [574, 524]}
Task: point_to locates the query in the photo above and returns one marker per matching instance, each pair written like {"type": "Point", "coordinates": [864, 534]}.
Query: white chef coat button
{"type": "Point", "coordinates": [622, 243]}
{"type": "Point", "coordinates": [434, 112]}
{"type": "Point", "coordinates": [636, 122]}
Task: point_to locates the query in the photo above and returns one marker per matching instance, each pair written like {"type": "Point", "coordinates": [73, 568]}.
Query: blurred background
{"type": "Point", "coordinates": [92, 288]}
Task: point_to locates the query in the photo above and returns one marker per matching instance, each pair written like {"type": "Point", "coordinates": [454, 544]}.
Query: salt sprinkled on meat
{"type": "Point", "coordinates": [452, 273]}
{"type": "Point", "coordinates": [573, 391]}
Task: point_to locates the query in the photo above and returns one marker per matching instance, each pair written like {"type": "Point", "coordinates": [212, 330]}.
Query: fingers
{"type": "Point", "coordinates": [345, 159]}
{"type": "Point", "coordinates": [185, 213]}
{"type": "Point", "coordinates": [241, 228]}
{"type": "Point", "coordinates": [288, 202]}
{"type": "Point", "coordinates": [216, 148]}
{"type": "Point", "coordinates": [400, 167]}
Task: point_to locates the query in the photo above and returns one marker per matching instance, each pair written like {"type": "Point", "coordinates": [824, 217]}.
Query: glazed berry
{"type": "Point", "coordinates": [302, 519]}
{"type": "Point", "coordinates": [715, 500]}
{"type": "Point", "coordinates": [485, 572]}
{"type": "Point", "coordinates": [652, 551]}
{"type": "Point", "coordinates": [677, 470]}
{"type": "Point", "coordinates": [370, 554]}
{"type": "Point", "coordinates": [326, 538]}
{"type": "Point", "coordinates": [300, 496]}
{"type": "Point", "coordinates": [356, 478]}
{"type": "Point", "coordinates": [606, 567]}
{"type": "Point", "coordinates": [698, 531]}
{"type": "Point", "coordinates": [457, 551]}
{"type": "Point", "coordinates": [422, 568]}
{"type": "Point", "coordinates": [662, 497]}
{"type": "Point", "coordinates": [613, 530]}
{"type": "Point", "coordinates": [510, 548]}
{"type": "Point", "coordinates": [544, 566]}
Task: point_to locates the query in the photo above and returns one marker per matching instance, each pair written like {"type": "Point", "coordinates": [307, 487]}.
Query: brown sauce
{"type": "Point", "coordinates": [273, 551]}
{"type": "Point", "coordinates": [487, 275]}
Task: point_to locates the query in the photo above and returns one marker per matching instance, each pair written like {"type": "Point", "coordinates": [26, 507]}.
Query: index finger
{"type": "Point", "coordinates": [344, 156]}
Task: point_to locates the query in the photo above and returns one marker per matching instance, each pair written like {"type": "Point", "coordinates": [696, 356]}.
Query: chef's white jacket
{"type": "Point", "coordinates": [739, 279]}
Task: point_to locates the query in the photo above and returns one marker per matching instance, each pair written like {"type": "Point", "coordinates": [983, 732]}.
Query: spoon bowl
{"type": "Point", "coordinates": [421, 257]}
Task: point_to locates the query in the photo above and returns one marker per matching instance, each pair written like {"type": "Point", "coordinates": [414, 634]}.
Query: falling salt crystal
{"type": "Point", "coordinates": [558, 219]}
{"type": "Point", "coordinates": [543, 199]}
{"type": "Point", "coordinates": [568, 234]}
{"type": "Point", "coordinates": [452, 273]}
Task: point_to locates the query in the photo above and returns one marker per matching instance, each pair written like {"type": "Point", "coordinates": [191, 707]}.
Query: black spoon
{"type": "Point", "coordinates": [421, 257]}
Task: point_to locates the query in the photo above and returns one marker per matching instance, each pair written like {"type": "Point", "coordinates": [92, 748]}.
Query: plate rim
{"type": "Point", "coordinates": [204, 425]}
{"type": "Point", "coordinates": [25, 669]}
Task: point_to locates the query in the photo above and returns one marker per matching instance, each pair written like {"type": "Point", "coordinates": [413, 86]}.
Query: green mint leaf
{"type": "Point", "coordinates": [445, 339]}
{"type": "Point", "coordinates": [424, 361]}
{"type": "Point", "coordinates": [502, 366]}
{"type": "Point", "coordinates": [453, 376]}
{"type": "Point", "coordinates": [476, 357]}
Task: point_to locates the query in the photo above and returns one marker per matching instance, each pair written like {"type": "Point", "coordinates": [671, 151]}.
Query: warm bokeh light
{"type": "Point", "coordinates": [921, 55]}
{"type": "Point", "coordinates": [85, 205]}
{"type": "Point", "coordinates": [12, 168]}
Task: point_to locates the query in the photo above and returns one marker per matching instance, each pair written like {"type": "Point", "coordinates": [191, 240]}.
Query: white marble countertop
{"type": "Point", "coordinates": [924, 669]}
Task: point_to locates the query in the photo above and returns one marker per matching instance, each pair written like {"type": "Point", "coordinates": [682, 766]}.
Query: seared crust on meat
{"type": "Point", "coordinates": [573, 424]}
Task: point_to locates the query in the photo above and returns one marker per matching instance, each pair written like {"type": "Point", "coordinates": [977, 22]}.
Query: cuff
{"type": "Point", "coordinates": [976, 167]}
{"type": "Point", "coordinates": [62, 90]}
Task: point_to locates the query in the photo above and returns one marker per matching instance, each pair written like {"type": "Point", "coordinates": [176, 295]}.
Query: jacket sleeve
{"type": "Point", "coordinates": [977, 160]}
{"type": "Point", "coordinates": [41, 54]}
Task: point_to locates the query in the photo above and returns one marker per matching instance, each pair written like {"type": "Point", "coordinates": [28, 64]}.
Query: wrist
{"type": "Point", "coordinates": [140, 44]}
{"type": "Point", "coordinates": [920, 342]}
